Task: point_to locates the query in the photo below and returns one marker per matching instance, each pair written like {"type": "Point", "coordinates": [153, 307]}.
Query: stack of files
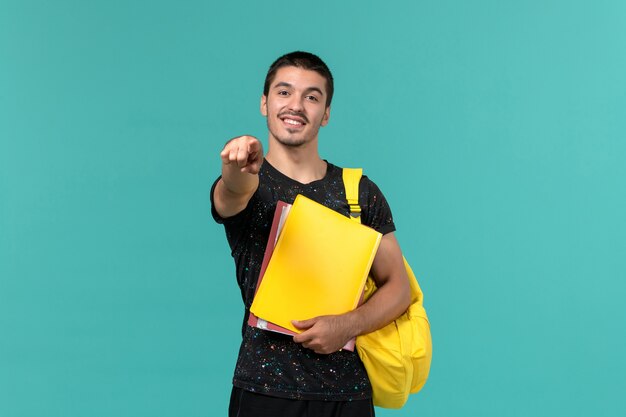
{"type": "Point", "coordinates": [316, 263]}
{"type": "Point", "coordinates": [280, 214]}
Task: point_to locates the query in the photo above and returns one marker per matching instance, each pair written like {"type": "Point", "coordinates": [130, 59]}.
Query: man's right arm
{"type": "Point", "coordinates": [241, 161]}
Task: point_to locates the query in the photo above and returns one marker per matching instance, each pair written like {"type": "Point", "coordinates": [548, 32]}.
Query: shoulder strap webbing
{"type": "Point", "coordinates": [351, 179]}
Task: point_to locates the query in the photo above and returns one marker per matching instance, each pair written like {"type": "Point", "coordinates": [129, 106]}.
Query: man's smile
{"type": "Point", "coordinates": [292, 122]}
{"type": "Point", "coordinates": [292, 119]}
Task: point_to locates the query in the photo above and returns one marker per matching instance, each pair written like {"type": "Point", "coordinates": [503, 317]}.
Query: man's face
{"type": "Point", "coordinates": [295, 106]}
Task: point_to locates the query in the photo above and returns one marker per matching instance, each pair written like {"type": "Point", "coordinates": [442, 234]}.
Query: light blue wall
{"type": "Point", "coordinates": [496, 130]}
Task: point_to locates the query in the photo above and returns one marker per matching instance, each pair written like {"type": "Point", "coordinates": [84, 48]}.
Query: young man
{"type": "Point", "coordinates": [307, 374]}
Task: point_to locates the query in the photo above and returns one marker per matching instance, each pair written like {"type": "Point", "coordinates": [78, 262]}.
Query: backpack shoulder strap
{"type": "Point", "coordinates": [351, 179]}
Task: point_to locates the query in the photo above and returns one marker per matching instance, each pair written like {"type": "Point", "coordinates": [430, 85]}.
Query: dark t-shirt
{"type": "Point", "coordinates": [271, 363]}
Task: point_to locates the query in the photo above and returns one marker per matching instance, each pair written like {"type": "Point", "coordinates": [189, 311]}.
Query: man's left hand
{"type": "Point", "coordinates": [324, 334]}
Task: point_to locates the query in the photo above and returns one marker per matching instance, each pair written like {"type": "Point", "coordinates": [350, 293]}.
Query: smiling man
{"type": "Point", "coordinates": [308, 374]}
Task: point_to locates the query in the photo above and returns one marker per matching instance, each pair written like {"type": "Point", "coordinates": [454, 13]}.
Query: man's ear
{"type": "Point", "coordinates": [326, 116]}
{"type": "Point", "coordinates": [264, 105]}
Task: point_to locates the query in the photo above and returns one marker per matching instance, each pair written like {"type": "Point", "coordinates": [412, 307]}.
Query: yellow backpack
{"type": "Point", "coordinates": [397, 357]}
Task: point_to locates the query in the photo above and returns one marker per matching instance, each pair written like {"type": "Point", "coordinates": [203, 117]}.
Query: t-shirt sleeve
{"type": "Point", "coordinates": [374, 207]}
{"type": "Point", "coordinates": [227, 220]}
{"type": "Point", "coordinates": [234, 225]}
{"type": "Point", "coordinates": [214, 213]}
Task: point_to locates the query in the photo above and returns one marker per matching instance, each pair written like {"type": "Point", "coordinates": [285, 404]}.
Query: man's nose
{"type": "Point", "coordinates": [295, 102]}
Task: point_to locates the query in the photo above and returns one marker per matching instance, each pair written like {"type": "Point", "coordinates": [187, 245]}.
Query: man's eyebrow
{"type": "Point", "coordinates": [286, 84]}
{"type": "Point", "coordinates": [283, 84]}
{"type": "Point", "coordinates": [314, 89]}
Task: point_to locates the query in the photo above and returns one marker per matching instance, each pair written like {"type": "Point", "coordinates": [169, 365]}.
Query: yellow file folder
{"type": "Point", "coordinates": [319, 266]}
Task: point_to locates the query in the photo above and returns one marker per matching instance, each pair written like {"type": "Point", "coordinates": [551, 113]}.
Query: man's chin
{"type": "Point", "coordinates": [292, 139]}
{"type": "Point", "coordinates": [291, 142]}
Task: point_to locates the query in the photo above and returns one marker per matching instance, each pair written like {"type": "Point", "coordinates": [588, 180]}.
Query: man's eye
{"type": "Point", "coordinates": [283, 93]}
{"type": "Point", "coordinates": [312, 98]}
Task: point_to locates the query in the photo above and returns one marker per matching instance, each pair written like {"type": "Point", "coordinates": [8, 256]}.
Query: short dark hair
{"type": "Point", "coordinates": [304, 60]}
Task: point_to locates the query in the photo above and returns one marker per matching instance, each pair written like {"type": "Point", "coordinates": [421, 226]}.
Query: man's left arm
{"type": "Point", "coordinates": [327, 334]}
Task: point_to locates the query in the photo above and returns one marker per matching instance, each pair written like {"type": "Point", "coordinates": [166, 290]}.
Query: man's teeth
{"type": "Point", "coordinates": [292, 122]}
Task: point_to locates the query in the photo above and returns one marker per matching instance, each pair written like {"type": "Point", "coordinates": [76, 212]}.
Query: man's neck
{"type": "Point", "coordinates": [302, 164]}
